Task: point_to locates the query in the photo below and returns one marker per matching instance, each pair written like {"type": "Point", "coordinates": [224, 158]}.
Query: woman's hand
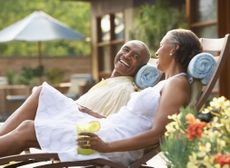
{"type": "Point", "coordinates": [89, 140]}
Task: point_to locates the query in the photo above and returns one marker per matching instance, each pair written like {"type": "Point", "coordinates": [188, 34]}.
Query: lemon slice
{"type": "Point", "coordinates": [94, 126]}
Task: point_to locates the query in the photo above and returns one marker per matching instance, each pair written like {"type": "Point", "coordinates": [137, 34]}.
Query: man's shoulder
{"type": "Point", "coordinates": [127, 79]}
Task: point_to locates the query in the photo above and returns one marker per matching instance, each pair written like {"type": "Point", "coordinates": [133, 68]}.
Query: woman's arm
{"type": "Point", "coordinates": [174, 95]}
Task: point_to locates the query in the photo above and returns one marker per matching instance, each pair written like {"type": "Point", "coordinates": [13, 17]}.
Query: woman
{"type": "Point", "coordinates": [122, 136]}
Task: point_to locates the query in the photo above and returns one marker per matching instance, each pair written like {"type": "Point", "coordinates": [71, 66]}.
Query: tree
{"type": "Point", "coordinates": [153, 21]}
{"type": "Point", "coordinates": [74, 14]}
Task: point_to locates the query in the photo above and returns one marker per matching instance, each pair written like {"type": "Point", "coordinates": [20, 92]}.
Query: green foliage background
{"type": "Point", "coordinates": [153, 21]}
{"type": "Point", "coordinates": [72, 13]}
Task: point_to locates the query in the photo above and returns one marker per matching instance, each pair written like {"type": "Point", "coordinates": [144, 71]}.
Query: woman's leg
{"type": "Point", "coordinates": [26, 111]}
{"type": "Point", "coordinates": [19, 139]}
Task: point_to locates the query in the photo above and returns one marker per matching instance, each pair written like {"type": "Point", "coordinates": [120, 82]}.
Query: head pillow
{"type": "Point", "coordinates": [147, 76]}
{"type": "Point", "coordinates": [202, 67]}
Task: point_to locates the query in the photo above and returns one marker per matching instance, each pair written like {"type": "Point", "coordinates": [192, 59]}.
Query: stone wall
{"type": "Point", "coordinates": [69, 65]}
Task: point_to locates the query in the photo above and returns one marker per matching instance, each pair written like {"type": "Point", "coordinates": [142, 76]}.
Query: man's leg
{"type": "Point", "coordinates": [26, 111]}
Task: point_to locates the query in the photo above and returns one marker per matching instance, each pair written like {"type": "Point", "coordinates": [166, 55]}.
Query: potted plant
{"type": "Point", "coordinates": [199, 140]}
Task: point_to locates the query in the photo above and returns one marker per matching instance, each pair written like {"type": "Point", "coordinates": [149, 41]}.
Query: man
{"type": "Point", "coordinates": [109, 95]}
{"type": "Point", "coordinates": [106, 97]}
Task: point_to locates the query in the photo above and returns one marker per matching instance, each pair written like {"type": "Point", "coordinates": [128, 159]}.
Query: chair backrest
{"type": "Point", "coordinates": [220, 48]}
{"type": "Point", "coordinates": [76, 82]}
{"type": "Point", "coordinates": [3, 81]}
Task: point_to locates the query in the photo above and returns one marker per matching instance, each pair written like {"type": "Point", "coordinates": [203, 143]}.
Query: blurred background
{"type": "Point", "coordinates": [73, 66]}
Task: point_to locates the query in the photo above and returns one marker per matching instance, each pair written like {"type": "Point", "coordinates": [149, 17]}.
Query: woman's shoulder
{"type": "Point", "coordinates": [178, 87]}
{"type": "Point", "coordinates": [179, 81]}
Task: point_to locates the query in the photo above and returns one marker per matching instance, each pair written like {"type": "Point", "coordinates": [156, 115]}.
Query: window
{"type": "Point", "coordinates": [203, 17]}
{"type": "Point", "coordinates": [203, 21]}
{"type": "Point", "coordinates": [110, 38]}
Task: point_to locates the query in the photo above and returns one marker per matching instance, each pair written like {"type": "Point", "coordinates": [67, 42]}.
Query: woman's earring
{"type": "Point", "coordinates": [170, 54]}
{"type": "Point", "coordinates": [156, 54]}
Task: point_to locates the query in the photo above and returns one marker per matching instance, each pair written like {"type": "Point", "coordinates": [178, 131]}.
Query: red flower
{"type": "Point", "coordinates": [222, 159]}
{"type": "Point", "coordinates": [195, 127]}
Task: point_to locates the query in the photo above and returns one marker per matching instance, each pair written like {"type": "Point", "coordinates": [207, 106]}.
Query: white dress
{"type": "Point", "coordinates": [57, 116]}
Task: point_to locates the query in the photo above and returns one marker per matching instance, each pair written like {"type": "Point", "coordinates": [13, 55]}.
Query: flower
{"type": "Point", "coordinates": [222, 159]}
{"type": "Point", "coordinates": [195, 140]}
{"type": "Point", "coordinates": [195, 127]}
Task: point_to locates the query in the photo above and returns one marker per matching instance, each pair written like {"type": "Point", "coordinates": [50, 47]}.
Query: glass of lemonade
{"type": "Point", "coordinates": [93, 127]}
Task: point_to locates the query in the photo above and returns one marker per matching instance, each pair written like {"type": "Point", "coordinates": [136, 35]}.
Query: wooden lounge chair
{"type": "Point", "coordinates": [79, 84]}
{"type": "Point", "coordinates": [220, 47]}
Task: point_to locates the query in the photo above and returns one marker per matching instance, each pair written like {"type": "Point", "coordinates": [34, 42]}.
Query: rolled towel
{"type": "Point", "coordinates": [147, 76]}
{"type": "Point", "coordinates": [202, 67]}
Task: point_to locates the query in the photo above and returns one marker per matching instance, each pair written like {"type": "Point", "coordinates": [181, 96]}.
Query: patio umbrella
{"type": "Point", "coordinates": [38, 27]}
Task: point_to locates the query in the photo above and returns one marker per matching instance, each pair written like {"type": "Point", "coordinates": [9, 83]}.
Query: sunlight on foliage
{"type": "Point", "coordinates": [153, 21]}
{"type": "Point", "coordinates": [72, 13]}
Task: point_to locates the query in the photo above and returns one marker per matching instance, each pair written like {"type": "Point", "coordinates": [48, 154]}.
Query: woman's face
{"type": "Point", "coordinates": [163, 54]}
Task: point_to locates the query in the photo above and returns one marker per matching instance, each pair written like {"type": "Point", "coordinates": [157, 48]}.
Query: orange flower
{"type": "Point", "coordinates": [190, 118]}
{"type": "Point", "coordinates": [222, 159]}
{"type": "Point", "coordinates": [195, 127]}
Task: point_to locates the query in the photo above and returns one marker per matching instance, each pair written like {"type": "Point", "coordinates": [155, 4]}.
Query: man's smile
{"type": "Point", "coordinates": [125, 63]}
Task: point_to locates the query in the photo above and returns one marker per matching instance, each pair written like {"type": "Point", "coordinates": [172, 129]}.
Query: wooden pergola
{"type": "Point", "coordinates": [111, 22]}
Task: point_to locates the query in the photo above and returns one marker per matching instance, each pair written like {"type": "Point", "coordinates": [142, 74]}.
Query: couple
{"type": "Point", "coordinates": [48, 119]}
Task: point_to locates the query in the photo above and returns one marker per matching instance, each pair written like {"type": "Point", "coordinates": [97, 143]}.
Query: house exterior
{"type": "Point", "coordinates": [211, 19]}
{"type": "Point", "coordinates": [111, 22]}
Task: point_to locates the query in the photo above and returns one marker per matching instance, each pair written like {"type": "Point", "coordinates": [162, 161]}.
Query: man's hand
{"type": "Point", "coordinates": [83, 109]}
{"type": "Point", "coordinates": [90, 112]}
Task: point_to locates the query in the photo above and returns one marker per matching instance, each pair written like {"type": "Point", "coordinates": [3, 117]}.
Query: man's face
{"type": "Point", "coordinates": [130, 58]}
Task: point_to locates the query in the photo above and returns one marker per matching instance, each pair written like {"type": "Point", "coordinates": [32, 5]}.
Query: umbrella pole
{"type": "Point", "coordinates": [40, 66]}
{"type": "Point", "coordinates": [39, 53]}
